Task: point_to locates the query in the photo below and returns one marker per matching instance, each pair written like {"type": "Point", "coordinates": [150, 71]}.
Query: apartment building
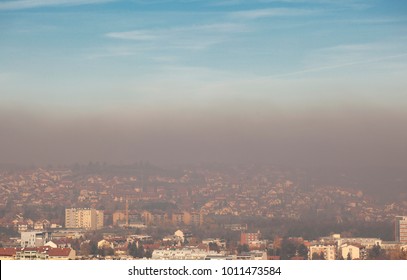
{"type": "Point", "coordinates": [85, 218]}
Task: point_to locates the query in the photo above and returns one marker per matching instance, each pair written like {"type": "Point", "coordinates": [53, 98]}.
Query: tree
{"type": "Point", "coordinates": [288, 249]}
{"type": "Point", "coordinates": [136, 250]}
{"type": "Point", "coordinates": [318, 256]}
{"type": "Point", "coordinates": [132, 249]}
{"type": "Point", "coordinates": [140, 251]}
{"type": "Point", "coordinates": [302, 251]}
{"type": "Point", "coordinates": [315, 256]}
{"type": "Point", "coordinates": [108, 251]}
{"type": "Point", "coordinates": [403, 254]}
{"type": "Point", "coordinates": [93, 248]}
{"type": "Point", "coordinates": [148, 254]}
{"type": "Point", "coordinates": [101, 252]}
{"type": "Point", "coordinates": [376, 253]}
{"type": "Point", "coordinates": [85, 249]}
{"type": "Point", "coordinates": [213, 246]}
{"type": "Point", "coordinates": [243, 248]}
{"type": "Point", "coordinates": [76, 244]}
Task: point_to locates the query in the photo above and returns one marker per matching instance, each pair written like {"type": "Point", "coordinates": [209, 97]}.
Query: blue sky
{"type": "Point", "coordinates": [83, 52]}
{"type": "Point", "coordinates": [212, 80]}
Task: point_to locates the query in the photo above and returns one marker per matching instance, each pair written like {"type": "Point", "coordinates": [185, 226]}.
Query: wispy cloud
{"type": "Point", "coordinates": [272, 12]}
{"type": "Point", "coordinates": [28, 4]}
{"type": "Point", "coordinates": [195, 37]}
{"type": "Point", "coordinates": [151, 34]}
{"type": "Point", "coordinates": [349, 53]}
{"type": "Point", "coordinates": [370, 21]}
{"type": "Point", "coordinates": [332, 2]}
{"type": "Point", "coordinates": [342, 65]}
{"type": "Point", "coordinates": [132, 35]}
{"type": "Point", "coordinates": [111, 53]}
{"type": "Point", "coordinates": [352, 58]}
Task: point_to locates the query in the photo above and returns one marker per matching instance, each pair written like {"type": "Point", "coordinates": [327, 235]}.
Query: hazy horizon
{"type": "Point", "coordinates": [301, 83]}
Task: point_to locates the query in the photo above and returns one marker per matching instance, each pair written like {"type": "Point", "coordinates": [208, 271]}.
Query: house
{"type": "Point", "coordinates": [120, 251]}
{"type": "Point", "coordinates": [7, 253]}
{"type": "Point", "coordinates": [45, 253]}
{"type": "Point", "coordinates": [22, 226]}
{"type": "Point", "coordinates": [103, 244]}
{"type": "Point", "coordinates": [61, 254]}
{"type": "Point", "coordinates": [63, 243]}
{"type": "Point", "coordinates": [28, 253]}
{"type": "Point", "coordinates": [349, 251]}
{"type": "Point", "coordinates": [51, 244]}
{"type": "Point", "coordinates": [179, 234]}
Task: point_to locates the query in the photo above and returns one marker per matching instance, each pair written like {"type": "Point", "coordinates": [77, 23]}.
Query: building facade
{"type": "Point", "coordinates": [401, 229]}
{"type": "Point", "coordinates": [85, 218]}
{"type": "Point", "coordinates": [327, 251]}
{"type": "Point", "coordinates": [349, 251]}
{"type": "Point", "coordinates": [249, 237]}
{"type": "Point", "coordinates": [34, 238]}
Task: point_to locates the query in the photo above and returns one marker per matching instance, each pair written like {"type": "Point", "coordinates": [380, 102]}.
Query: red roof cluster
{"type": "Point", "coordinates": [9, 252]}
{"type": "Point", "coordinates": [52, 252]}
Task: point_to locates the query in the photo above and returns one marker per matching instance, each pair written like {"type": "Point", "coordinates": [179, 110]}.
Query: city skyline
{"type": "Point", "coordinates": [307, 82]}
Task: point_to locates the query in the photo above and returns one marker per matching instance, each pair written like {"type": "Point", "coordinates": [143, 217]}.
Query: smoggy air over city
{"type": "Point", "coordinates": [231, 129]}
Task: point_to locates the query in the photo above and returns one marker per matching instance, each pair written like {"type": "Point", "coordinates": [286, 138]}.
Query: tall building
{"type": "Point", "coordinates": [85, 218]}
{"type": "Point", "coordinates": [401, 229]}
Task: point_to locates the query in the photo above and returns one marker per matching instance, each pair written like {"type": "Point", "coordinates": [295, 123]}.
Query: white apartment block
{"type": "Point", "coordinates": [84, 218]}
{"type": "Point", "coordinates": [183, 254]}
{"type": "Point", "coordinates": [34, 238]}
{"type": "Point", "coordinates": [363, 241]}
{"type": "Point", "coordinates": [327, 250]}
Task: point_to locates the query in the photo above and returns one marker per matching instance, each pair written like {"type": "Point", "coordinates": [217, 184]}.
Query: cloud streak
{"type": "Point", "coordinates": [28, 4]}
{"type": "Point", "coordinates": [272, 12]}
{"type": "Point", "coordinates": [151, 34]}
{"type": "Point", "coordinates": [342, 65]}
{"type": "Point", "coordinates": [132, 35]}
{"type": "Point", "coordinates": [194, 37]}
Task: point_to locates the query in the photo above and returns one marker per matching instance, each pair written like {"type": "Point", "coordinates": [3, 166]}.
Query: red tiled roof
{"type": "Point", "coordinates": [151, 246]}
{"type": "Point", "coordinates": [59, 252]}
{"type": "Point", "coordinates": [61, 241]}
{"type": "Point", "coordinates": [52, 252]}
{"type": "Point", "coordinates": [8, 252]}
{"type": "Point", "coordinates": [28, 249]}
{"type": "Point", "coordinates": [202, 246]}
{"type": "Point", "coordinates": [43, 248]}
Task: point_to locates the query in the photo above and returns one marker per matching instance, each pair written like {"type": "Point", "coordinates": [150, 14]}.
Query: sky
{"type": "Point", "coordinates": [307, 82]}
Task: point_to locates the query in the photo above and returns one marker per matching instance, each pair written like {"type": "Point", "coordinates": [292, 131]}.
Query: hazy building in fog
{"type": "Point", "coordinates": [325, 251]}
{"type": "Point", "coordinates": [349, 251]}
{"type": "Point", "coordinates": [401, 229]}
{"type": "Point", "coordinates": [249, 237]}
{"type": "Point", "coordinates": [85, 218]}
{"type": "Point", "coordinates": [34, 238]}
